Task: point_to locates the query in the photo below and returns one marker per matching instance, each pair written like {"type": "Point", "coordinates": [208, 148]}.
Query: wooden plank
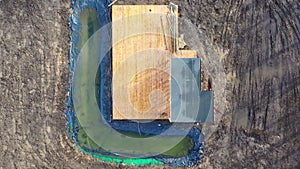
{"type": "Point", "coordinates": [186, 54]}
{"type": "Point", "coordinates": [136, 29]}
{"type": "Point", "coordinates": [146, 89]}
{"type": "Point", "coordinates": [142, 48]}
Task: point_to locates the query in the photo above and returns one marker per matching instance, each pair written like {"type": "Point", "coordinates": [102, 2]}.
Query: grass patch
{"type": "Point", "coordinates": [181, 149]}
{"type": "Point", "coordinates": [85, 141]}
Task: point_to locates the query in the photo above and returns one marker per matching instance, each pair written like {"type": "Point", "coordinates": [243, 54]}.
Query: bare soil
{"type": "Point", "coordinates": [259, 129]}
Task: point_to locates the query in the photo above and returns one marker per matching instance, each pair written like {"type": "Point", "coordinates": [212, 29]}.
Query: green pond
{"type": "Point", "coordinates": [93, 133]}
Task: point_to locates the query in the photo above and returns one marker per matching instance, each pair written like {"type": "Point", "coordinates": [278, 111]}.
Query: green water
{"type": "Point", "coordinates": [96, 134]}
{"type": "Point", "coordinates": [179, 150]}
{"type": "Point", "coordinates": [90, 24]}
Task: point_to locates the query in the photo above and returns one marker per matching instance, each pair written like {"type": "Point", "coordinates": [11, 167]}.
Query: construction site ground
{"type": "Point", "coordinates": [259, 45]}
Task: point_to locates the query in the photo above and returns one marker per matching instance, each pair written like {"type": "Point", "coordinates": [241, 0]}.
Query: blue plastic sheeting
{"type": "Point", "coordinates": [194, 157]}
{"type": "Point", "coordinates": [105, 102]}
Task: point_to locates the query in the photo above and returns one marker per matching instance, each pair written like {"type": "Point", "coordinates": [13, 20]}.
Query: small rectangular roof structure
{"type": "Point", "coordinates": [188, 103]}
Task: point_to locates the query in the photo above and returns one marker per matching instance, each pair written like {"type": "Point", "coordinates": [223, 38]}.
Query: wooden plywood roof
{"type": "Point", "coordinates": [142, 47]}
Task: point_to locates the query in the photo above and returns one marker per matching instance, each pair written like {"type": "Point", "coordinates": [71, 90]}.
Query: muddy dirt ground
{"type": "Point", "coordinates": [259, 129]}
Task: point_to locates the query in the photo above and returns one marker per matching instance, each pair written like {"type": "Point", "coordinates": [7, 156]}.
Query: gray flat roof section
{"type": "Point", "coordinates": [188, 103]}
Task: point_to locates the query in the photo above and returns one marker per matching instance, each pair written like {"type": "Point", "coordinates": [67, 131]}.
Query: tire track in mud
{"type": "Point", "coordinates": [267, 86]}
{"type": "Point", "coordinates": [262, 38]}
{"type": "Point", "coordinates": [33, 84]}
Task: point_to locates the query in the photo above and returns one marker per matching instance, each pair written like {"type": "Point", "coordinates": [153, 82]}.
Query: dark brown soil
{"type": "Point", "coordinates": [260, 127]}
